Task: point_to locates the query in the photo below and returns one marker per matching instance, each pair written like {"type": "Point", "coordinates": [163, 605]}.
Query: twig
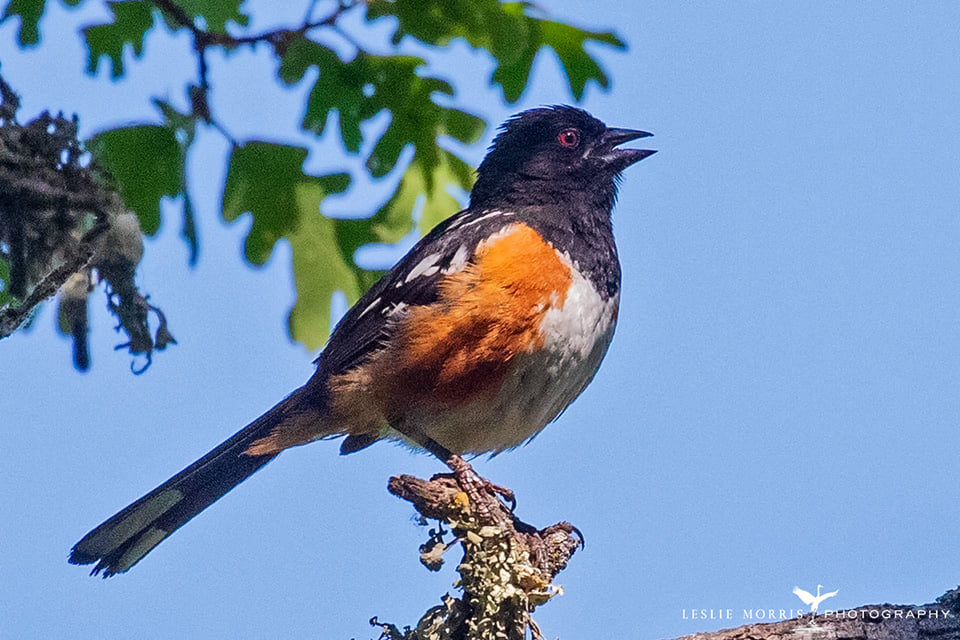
{"type": "Point", "coordinates": [206, 38]}
{"type": "Point", "coordinates": [12, 317]}
{"type": "Point", "coordinates": [278, 38]}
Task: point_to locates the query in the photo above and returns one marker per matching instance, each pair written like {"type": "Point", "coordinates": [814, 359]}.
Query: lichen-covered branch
{"type": "Point", "coordinates": [60, 224]}
{"type": "Point", "coordinates": [507, 568]}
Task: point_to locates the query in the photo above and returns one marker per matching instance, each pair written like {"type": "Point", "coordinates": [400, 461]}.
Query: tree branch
{"type": "Point", "coordinates": [939, 621]}
{"type": "Point", "coordinates": [507, 568]}
{"type": "Point", "coordinates": [278, 38]}
{"type": "Point", "coordinates": [58, 219]}
{"type": "Point", "coordinates": [206, 38]}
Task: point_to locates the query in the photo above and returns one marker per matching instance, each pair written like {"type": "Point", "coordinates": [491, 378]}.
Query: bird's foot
{"type": "Point", "coordinates": [472, 506]}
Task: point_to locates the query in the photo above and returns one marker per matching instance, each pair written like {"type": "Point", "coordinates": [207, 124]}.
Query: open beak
{"type": "Point", "coordinates": [620, 159]}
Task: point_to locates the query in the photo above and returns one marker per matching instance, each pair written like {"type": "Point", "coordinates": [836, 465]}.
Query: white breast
{"type": "Point", "coordinates": [576, 337]}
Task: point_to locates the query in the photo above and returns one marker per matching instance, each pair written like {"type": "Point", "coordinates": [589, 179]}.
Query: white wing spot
{"type": "Point", "coordinates": [370, 307]}
{"type": "Point", "coordinates": [487, 216]}
{"type": "Point", "coordinates": [426, 267]}
{"type": "Point", "coordinates": [389, 311]}
{"type": "Point", "coordinates": [459, 259]}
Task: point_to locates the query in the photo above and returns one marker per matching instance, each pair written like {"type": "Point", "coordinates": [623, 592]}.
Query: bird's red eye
{"type": "Point", "coordinates": [568, 138]}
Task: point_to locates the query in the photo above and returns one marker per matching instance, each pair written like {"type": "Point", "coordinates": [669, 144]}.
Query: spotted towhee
{"type": "Point", "coordinates": [480, 336]}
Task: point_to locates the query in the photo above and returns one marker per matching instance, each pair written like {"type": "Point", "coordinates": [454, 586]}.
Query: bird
{"type": "Point", "coordinates": [813, 600]}
{"type": "Point", "coordinates": [481, 335]}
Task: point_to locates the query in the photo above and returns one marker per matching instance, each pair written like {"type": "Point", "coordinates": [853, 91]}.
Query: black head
{"type": "Point", "coordinates": [553, 153]}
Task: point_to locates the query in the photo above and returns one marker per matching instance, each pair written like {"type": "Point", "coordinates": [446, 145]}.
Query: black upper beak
{"type": "Point", "coordinates": [620, 159]}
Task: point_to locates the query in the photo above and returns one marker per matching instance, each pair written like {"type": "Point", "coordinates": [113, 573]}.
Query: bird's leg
{"type": "Point", "coordinates": [473, 484]}
{"type": "Point", "coordinates": [479, 490]}
{"type": "Point", "coordinates": [469, 480]}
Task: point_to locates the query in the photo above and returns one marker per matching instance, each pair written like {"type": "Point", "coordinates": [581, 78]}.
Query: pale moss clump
{"type": "Point", "coordinates": [500, 583]}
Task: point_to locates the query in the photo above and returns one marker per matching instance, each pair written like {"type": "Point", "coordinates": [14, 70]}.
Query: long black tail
{"type": "Point", "coordinates": [120, 542]}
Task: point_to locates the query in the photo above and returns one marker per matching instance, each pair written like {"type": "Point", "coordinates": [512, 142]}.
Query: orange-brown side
{"type": "Point", "coordinates": [459, 348]}
{"type": "Point", "coordinates": [455, 350]}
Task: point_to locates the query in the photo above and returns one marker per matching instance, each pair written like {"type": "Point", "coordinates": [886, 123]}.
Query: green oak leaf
{"type": "Point", "coordinates": [339, 87]}
{"type": "Point", "coordinates": [509, 31]}
{"type": "Point", "coordinates": [320, 269]}
{"type": "Point", "coordinates": [30, 12]}
{"type": "Point", "coordinates": [215, 14]}
{"type": "Point", "coordinates": [579, 66]}
{"type": "Point", "coordinates": [430, 183]}
{"type": "Point", "coordinates": [146, 162]}
{"type": "Point", "coordinates": [417, 119]}
{"type": "Point", "coordinates": [130, 23]}
{"type": "Point", "coordinates": [440, 204]}
{"type": "Point", "coordinates": [363, 87]}
{"type": "Point", "coordinates": [184, 127]}
{"type": "Point", "coordinates": [389, 224]}
{"type": "Point", "coordinates": [5, 297]}
{"type": "Point", "coordinates": [267, 181]}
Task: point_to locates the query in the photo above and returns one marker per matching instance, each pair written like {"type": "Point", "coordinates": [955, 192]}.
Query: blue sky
{"type": "Point", "coordinates": [779, 406]}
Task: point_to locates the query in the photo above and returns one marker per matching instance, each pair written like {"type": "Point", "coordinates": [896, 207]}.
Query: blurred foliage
{"type": "Point", "coordinates": [266, 180]}
{"type": "Point", "coordinates": [510, 32]}
{"type": "Point", "coordinates": [5, 297]}
{"type": "Point", "coordinates": [62, 230]}
{"type": "Point", "coordinates": [131, 21]}
{"type": "Point", "coordinates": [145, 162]}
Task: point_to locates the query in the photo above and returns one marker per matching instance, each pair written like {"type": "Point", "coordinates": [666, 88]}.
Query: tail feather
{"type": "Point", "coordinates": [124, 539]}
